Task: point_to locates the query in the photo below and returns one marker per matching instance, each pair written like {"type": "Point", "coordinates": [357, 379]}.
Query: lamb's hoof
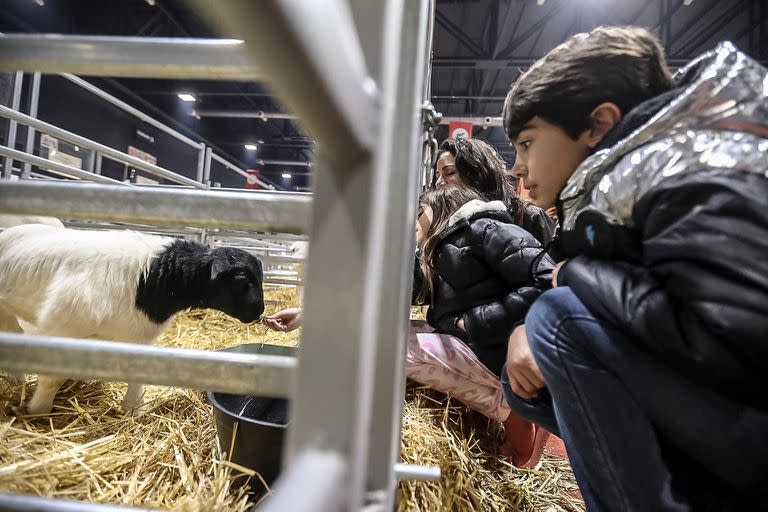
{"type": "Point", "coordinates": [136, 411]}
{"type": "Point", "coordinates": [38, 409]}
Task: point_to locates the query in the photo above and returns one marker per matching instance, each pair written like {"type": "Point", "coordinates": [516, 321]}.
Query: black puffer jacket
{"type": "Point", "coordinates": [488, 272]}
{"type": "Point", "coordinates": [536, 221]}
{"type": "Point", "coordinates": [685, 270]}
{"type": "Point", "coordinates": [532, 219]}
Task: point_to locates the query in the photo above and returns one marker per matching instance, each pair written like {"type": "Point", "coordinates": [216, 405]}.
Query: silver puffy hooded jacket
{"type": "Point", "coordinates": [667, 228]}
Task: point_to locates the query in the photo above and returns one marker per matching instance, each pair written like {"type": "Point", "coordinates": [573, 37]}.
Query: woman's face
{"type": "Point", "coordinates": [446, 172]}
{"type": "Point", "coordinates": [423, 223]}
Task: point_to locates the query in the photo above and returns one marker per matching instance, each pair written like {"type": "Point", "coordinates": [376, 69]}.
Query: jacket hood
{"type": "Point", "coordinates": [718, 119]}
{"type": "Point", "coordinates": [474, 207]}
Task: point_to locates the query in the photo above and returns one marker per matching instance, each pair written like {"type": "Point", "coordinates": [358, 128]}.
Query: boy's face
{"type": "Point", "coordinates": [546, 158]}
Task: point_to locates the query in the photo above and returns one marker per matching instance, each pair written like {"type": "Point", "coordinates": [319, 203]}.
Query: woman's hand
{"type": "Point", "coordinates": [285, 320]}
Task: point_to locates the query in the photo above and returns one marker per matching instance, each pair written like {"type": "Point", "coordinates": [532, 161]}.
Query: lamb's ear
{"type": "Point", "coordinates": [217, 267]}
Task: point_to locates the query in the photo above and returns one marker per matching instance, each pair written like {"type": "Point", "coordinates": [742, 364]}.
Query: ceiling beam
{"type": "Point", "coordinates": [552, 10]}
{"type": "Point", "coordinates": [715, 25]}
{"type": "Point", "coordinates": [458, 34]}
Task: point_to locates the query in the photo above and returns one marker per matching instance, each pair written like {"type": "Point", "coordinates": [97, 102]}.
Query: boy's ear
{"type": "Point", "coordinates": [602, 119]}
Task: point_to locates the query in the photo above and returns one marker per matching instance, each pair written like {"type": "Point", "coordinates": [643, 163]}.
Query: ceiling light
{"type": "Point", "coordinates": [687, 2]}
{"type": "Point", "coordinates": [151, 2]}
{"type": "Point", "coordinates": [186, 97]}
{"type": "Point", "coordinates": [40, 2]}
{"type": "Point", "coordinates": [251, 147]}
{"type": "Point", "coordinates": [77, 148]}
{"type": "Point", "coordinates": [286, 175]}
{"type": "Point", "coordinates": [540, 2]}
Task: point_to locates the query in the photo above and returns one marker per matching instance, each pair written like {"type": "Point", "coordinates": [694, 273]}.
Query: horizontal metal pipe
{"type": "Point", "coordinates": [107, 151]}
{"type": "Point", "coordinates": [298, 163]}
{"type": "Point", "coordinates": [478, 121]}
{"type": "Point", "coordinates": [134, 112]}
{"type": "Point", "coordinates": [417, 472]}
{"type": "Point", "coordinates": [243, 114]}
{"type": "Point", "coordinates": [145, 57]}
{"type": "Point", "coordinates": [226, 372]}
{"type": "Point", "coordinates": [282, 237]}
{"type": "Point", "coordinates": [56, 167]}
{"type": "Point", "coordinates": [286, 282]}
{"type": "Point", "coordinates": [275, 260]}
{"type": "Point", "coordinates": [29, 503]}
{"type": "Point", "coordinates": [480, 98]}
{"type": "Point", "coordinates": [258, 211]}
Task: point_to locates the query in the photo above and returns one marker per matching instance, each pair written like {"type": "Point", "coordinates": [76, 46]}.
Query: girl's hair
{"type": "Point", "coordinates": [481, 168]}
{"type": "Point", "coordinates": [444, 202]}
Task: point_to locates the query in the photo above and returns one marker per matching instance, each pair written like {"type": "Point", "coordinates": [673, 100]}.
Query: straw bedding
{"type": "Point", "coordinates": [87, 449]}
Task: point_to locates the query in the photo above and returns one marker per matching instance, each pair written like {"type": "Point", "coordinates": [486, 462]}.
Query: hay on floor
{"type": "Point", "coordinates": [87, 449]}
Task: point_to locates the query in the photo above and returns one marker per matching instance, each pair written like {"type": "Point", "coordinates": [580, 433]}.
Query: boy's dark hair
{"type": "Point", "coordinates": [482, 169]}
{"type": "Point", "coordinates": [621, 65]}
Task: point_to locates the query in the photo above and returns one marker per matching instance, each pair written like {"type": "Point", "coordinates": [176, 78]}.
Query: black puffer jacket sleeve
{"type": "Point", "coordinates": [524, 267]}
{"type": "Point", "coordinates": [699, 300]}
{"type": "Point", "coordinates": [539, 224]}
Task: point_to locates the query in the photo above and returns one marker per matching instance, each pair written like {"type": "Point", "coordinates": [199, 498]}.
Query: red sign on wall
{"type": "Point", "coordinates": [252, 180]}
{"type": "Point", "coordinates": [459, 130]}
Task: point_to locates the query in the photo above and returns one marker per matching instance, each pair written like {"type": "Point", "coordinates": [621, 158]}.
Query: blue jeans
{"type": "Point", "coordinates": [640, 437]}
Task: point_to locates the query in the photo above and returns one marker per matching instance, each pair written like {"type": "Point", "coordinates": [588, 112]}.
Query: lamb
{"type": "Point", "coordinates": [118, 286]}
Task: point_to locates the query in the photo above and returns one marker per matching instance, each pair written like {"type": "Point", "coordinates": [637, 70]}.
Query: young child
{"type": "Point", "coordinates": [482, 274]}
{"type": "Point", "coordinates": [653, 345]}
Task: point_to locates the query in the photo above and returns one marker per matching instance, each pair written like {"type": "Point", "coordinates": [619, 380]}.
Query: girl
{"type": "Point", "coordinates": [481, 272]}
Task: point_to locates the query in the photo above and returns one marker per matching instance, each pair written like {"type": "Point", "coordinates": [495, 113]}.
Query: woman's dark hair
{"type": "Point", "coordinates": [482, 169]}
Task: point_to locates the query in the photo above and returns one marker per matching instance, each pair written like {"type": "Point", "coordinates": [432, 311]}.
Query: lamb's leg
{"type": "Point", "coordinates": [8, 323]}
{"type": "Point", "coordinates": [132, 402]}
{"type": "Point", "coordinates": [42, 399]}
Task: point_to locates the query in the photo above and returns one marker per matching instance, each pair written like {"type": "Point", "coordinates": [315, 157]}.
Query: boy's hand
{"type": "Point", "coordinates": [525, 378]}
{"type": "Point", "coordinates": [460, 324]}
{"type": "Point", "coordinates": [555, 271]}
{"type": "Point", "coordinates": [285, 320]}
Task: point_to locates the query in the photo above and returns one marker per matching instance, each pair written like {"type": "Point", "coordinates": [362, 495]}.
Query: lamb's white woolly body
{"type": "Point", "coordinates": [79, 284]}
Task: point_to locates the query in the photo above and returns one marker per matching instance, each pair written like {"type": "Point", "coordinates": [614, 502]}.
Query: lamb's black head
{"type": "Point", "coordinates": [236, 284]}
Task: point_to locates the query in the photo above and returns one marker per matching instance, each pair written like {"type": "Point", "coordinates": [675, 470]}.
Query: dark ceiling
{"type": "Point", "coordinates": [480, 47]}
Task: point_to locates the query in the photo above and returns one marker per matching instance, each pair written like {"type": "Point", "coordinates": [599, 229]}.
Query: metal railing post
{"type": "Point", "coordinates": [34, 99]}
{"type": "Point", "coordinates": [18, 82]}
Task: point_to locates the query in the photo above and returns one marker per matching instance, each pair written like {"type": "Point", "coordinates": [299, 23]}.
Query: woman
{"type": "Point", "coordinates": [475, 164]}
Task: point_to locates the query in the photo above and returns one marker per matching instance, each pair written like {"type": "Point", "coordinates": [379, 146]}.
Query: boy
{"type": "Point", "coordinates": [654, 343]}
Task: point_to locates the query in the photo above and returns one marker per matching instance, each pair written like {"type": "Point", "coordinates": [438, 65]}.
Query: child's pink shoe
{"type": "Point", "coordinates": [523, 442]}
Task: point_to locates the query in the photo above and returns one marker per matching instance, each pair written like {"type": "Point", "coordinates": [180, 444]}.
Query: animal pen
{"type": "Point", "coordinates": [367, 111]}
